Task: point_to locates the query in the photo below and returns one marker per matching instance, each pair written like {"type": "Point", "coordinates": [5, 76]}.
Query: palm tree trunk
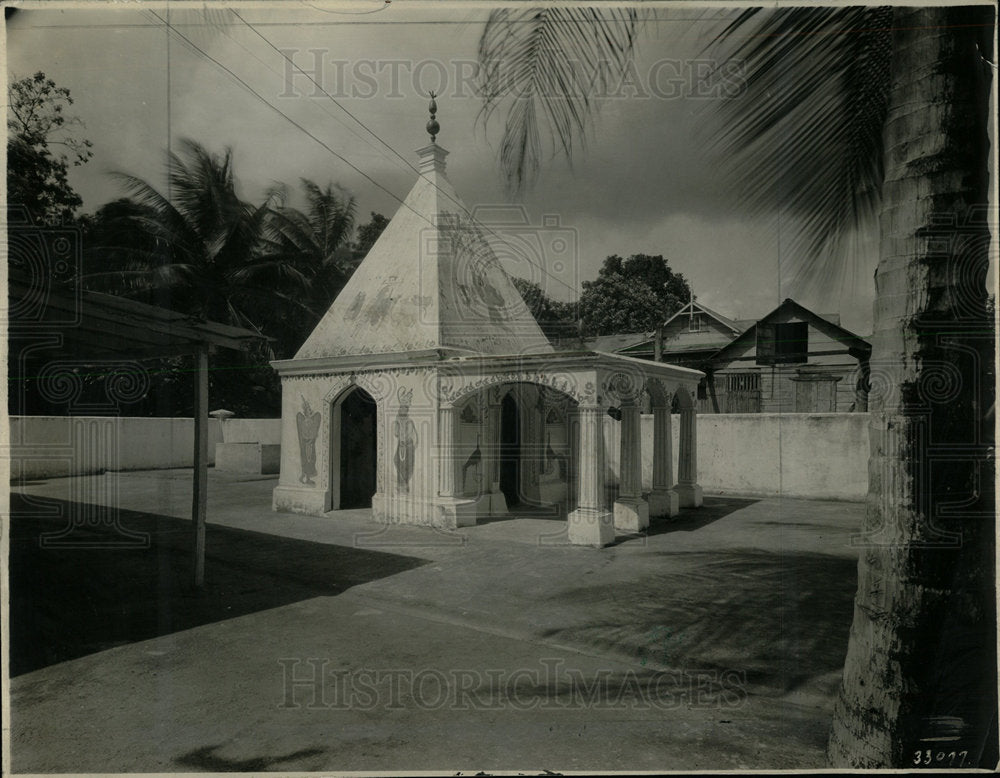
{"type": "Point", "coordinates": [919, 679]}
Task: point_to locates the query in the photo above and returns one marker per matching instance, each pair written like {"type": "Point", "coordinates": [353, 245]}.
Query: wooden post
{"type": "Point", "coordinates": [199, 497]}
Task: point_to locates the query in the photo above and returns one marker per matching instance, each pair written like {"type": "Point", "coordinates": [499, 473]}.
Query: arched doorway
{"type": "Point", "coordinates": [515, 445]}
{"type": "Point", "coordinates": [510, 450]}
{"type": "Point", "coordinates": [358, 450]}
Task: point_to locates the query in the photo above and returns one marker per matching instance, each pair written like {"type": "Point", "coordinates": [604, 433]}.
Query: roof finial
{"type": "Point", "coordinates": [432, 126]}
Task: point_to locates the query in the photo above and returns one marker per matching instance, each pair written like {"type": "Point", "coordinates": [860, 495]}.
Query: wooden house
{"type": "Point", "coordinates": [792, 360]}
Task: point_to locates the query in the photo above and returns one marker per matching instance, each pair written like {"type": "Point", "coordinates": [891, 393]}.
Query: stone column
{"type": "Point", "coordinates": [491, 452]}
{"type": "Point", "coordinates": [591, 524]}
{"type": "Point", "coordinates": [534, 434]}
{"type": "Point", "coordinates": [631, 511]}
{"type": "Point", "coordinates": [446, 450]}
{"type": "Point", "coordinates": [663, 500]}
{"type": "Point", "coordinates": [451, 510]}
{"type": "Point", "coordinates": [688, 490]}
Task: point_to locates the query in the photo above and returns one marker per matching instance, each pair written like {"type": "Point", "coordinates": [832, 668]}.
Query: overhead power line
{"type": "Point", "coordinates": [198, 49]}
{"type": "Point", "coordinates": [382, 141]}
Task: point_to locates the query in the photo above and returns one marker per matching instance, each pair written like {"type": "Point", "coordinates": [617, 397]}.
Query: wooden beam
{"type": "Point", "coordinates": [199, 497]}
{"type": "Point", "coordinates": [97, 321]}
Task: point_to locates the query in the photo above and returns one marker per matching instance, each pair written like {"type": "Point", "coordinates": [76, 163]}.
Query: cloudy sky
{"type": "Point", "coordinates": [645, 183]}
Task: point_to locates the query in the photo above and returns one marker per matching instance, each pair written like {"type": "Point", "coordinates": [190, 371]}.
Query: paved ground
{"type": "Point", "coordinates": [715, 641]}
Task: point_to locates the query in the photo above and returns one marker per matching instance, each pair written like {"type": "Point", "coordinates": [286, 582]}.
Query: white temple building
{"type": "Point", "coordinates": [429, 393]}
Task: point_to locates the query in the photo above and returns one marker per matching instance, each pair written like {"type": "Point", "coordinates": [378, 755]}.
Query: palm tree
{"type": "Point", "coordinates": [198, 250]}
{"type": "Point", "coordinates": [316, 242]}
{"type": "Point", "coordinates": [202, 251]}
{"type": "Point", "coordinates": [884, 113]}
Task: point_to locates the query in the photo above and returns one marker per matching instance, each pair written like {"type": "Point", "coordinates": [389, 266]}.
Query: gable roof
{"type": "Point", "coordinates": [696, 307]}
{"type": "Point", "coordinates": [614, 343]}
{"type": "Point", "coordinates": [430, 284]}
{"type": "Point", "coordinates": [855, 343]}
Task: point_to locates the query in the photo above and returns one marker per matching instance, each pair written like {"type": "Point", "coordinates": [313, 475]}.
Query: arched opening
{"type": "Point", "coordinates": [358, 449]}
{"type": "Point", "coordinates": [510, 450]}
{"type": "Point", "coordinates": [515, 447]}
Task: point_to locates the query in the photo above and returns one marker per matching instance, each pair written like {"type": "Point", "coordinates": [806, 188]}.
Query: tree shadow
{"type": "Point", "coordinates": [82, 592]}
{"type": "Point", "coordinates": [780, 620]}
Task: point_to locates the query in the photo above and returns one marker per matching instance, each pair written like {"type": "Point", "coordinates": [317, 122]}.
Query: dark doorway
{"type": "Point", "coordinates": [358, 454]}
{"type": "Point", "coordinates": [510, 451]}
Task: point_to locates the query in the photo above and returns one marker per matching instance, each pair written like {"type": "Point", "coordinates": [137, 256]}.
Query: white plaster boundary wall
{"type": "Point", "coordinates": [265, 431]}
{"type": "Point", "coordinates": [812, 455]}
{"type": "Point", "coordinates": [821, 455]}
{"type": "Point", "coordinates": [55, 446]}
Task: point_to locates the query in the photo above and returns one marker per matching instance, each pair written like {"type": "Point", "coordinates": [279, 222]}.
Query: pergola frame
{"type": "Point", "coordinates": [87, 325]}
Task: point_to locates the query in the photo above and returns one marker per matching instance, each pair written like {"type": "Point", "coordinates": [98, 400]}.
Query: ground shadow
{"type": "Point", "coordinates": [207, 759]}
{"type": "Point", "coordinates": [85, 591]}
{"type": "Point", "coordinates": [691, 519]}
{"type": "Point", "coordinates": [780, 620]}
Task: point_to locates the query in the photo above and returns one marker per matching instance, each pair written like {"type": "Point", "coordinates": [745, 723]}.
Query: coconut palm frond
{"type": "Point", "coordinates": [288, 234]}
{"type": "Point", "coordinates": [805, 134]}
{"type": "Point", "coordinates": [331, 213]}
{"type": "Point", "coordinates": [549, 65]}
{"type": "Point", "coordinates": [141, 279]}
{"type": "Point", "coordinates": [169, 221]}
{"type": "Point", "coordinates": [203, 189]}
{"type": "Point", "coordinates": [263, 298]}
{"type": "Point", "coordinates": [270, 273]}
{"type": "Point", "coordinates": [276, 194]}
{"type": "Point", "coordinates": [242, 233]}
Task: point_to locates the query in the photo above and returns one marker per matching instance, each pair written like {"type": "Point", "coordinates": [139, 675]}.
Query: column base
{"type": "Point", "coordinates": [301, 499]}
{"type": "Point", "coordinates": [663, 503]}
{"type": "Point", "coordinates": [497, 504]}
{"type": "Point", "coordinates": [590, 527]}
{"type": "Point", "coordinates": [688, 495]}
{"type": "Point", "coordinates": [631, 514]}
{"type": "Point", "coordinates": [454, 512]}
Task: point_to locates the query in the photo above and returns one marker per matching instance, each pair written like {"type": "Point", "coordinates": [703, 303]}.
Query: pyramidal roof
{"type": "Point", "coordinates": [432, 281]}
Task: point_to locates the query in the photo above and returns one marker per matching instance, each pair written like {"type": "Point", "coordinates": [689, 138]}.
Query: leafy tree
{"type": "Point", "coordinates": [41, 147]}
{"type": "Point", "coordinates": [631, 295]}
{"type": "Point", "coordinates": [558, 320]}
{"type": "Point", "coordinates": [859, 113]}
{"type": "Point", "coordinates": [368, 233]}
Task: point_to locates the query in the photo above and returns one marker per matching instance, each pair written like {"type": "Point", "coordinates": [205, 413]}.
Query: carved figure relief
{"type": "Point", "coordinates": [473, 463]}
{"type": "Point", "coordinates": [307, 421]}
{"type": "Point", "coordinates": [556, 465]}
{"type": "Point", "coordinates": [405, 432]}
